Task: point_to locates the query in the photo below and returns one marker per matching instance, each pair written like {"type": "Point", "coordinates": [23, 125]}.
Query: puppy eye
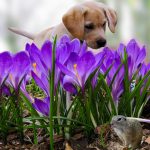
{"type": "Point", "coordinates": [89, 26]}
{"type": "Point", "coordinates": [104, 24]}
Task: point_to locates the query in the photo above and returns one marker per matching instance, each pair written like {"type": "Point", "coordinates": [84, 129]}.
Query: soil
{"type": "Point", "coordinates": [103, 139]}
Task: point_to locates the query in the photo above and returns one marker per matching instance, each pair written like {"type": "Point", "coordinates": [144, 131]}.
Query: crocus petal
{"type": "Point", "coordinates": [65, 70]}
{"type": "Point", "coordinates": [99, 59]}
{"type": "Point", "coordinates": [121, 50]}
{"type": "Point", "coordinates": [94, 79]}
{"type": "Point", "coordinates": [46, 52]}
{"type": "Point", "coordinates": [35, 55]}
{"type": "Point", "coordinates": [83, 48]}
{"type": "Point", "coordinates": [27, 95]}
{"type": "Point", "coordinates": [75, 46]}
{"type": "Point", "coordinates": [133, 48]}
{"type": "Point", "coordinates": [64, 39]}
{"type": "Point", "coordinates": [21, 66]}
{"type": "Point", "coordinates": [72, 61]}
{"type": "Point", "coordinates": [119, 78]}
{"type": "Point", "coordinates": [62, 53]}
{"type": "Point", "coordinates": [42, 106]}
{"type": "Point", "coordinates": [40, 82]}
{"type": "Point", "coordinates": [69, 84]}
{"type": "Point", "coordinates": [143, 70]}
{"type": "Point", "coordinates": [85, 62]}
{"type": "Point", "coordinates": [84, 66]}
{"type": "Point", "coordinates": [6, 90]}
{"type": "Point", "coordinates": [27, 47]}
{"type": "Point", "coordinates": [5, 65]}
{"type": "Point", "coordinates": [148, 67]}
{"type": "Point", "coordinates": [141, 56]}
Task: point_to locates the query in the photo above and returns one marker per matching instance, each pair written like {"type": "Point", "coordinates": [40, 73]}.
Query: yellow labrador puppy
{"type": "Point", "coordinates": [86, 21]}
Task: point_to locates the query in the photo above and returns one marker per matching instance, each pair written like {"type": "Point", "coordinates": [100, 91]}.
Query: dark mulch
{"type": "Point", "coordinates": [103, 139]}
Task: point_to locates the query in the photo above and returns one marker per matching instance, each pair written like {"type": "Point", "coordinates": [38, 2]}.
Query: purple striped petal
{"type": "Point", "coordinates": [21, 66]}
{"type": "Point", "coordinates": [121, 50]}
{"type": "Point", "coordinates": [133, 48]}
{"type": "Point", "coordinates": [72, 62]}
{"type": "Point", "coordinates": [83, 48]}
{"type": "Point", "coordinates": [75, 46]}
{"type": "Point", "coordinates": [141, 56]}
{"type": "Point", "coordinates": [5, 65]}
{"type": "Point", "coordinates": [62, 53]}
{"type": "Point", "coordinates": [42, 106]}
{"type": "Point", "coordinates": [6, 90]}
{"type": "Point", "coordinates": [69, 84]}
{"type": "Point", "coordinates": [85, 62]}
{"type": "Point", "coordinates": [41, 82]}
{"type": "Point", "coordinates": [35, 55]}
{"type": "Point", "coordinates": [46, 53]}
{"type": "Point", "coordinates": [63, 40]}
{"type": "Point", "coordinates": [65, 70]}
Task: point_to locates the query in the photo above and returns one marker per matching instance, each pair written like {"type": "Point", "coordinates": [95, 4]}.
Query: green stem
{"type": "Point", "coordinates": [35, 133]}
{"type": "Point", "coordinates": [58, 112]}
{"type": "Point", "coordinates": [52, 79]}
{"type": "Point", "coordinates": [69, 116]}
{"type": "Point", "coordinates": [19, 114]}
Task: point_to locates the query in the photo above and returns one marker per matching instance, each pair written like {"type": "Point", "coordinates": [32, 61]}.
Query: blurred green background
{"type": "Point", "coordinates": [36, 15]}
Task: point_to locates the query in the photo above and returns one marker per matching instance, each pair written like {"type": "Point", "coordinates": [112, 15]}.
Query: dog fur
{"type": "Point", "coordinates": [86, 21]}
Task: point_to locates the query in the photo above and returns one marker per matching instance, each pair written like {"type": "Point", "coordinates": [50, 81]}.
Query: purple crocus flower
{"type": "Point", "coordinates": [114, 59]}
{"type": "Point", "coordinates": [41, 67]}
{"type": "Point", "coordinates": [108, 61]}
{"type": "Point", "coordinates": [20, 68]}
{"type": "Point", "coordinates": [135, 61]}
{"type": "Point", "coordinates": [136, 56]}
{"type": "Point", "coordinates": [40, 104]}
{"type": "Point", "coordinates": [77, 70]}
{"type": "Point", "coordinates": [144, 69]}
{"type": "Point", "coordinates": [5, 66]}
{"type": "Point", "coordinates": [72, 45]}
{"type": "Point", "coordinates": [117, 86]}
{"type": "Point", "coordinates": [41, 59]}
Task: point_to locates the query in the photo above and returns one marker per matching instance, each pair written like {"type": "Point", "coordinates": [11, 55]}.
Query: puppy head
{"type": "Point", "coordinates": [88, 22]}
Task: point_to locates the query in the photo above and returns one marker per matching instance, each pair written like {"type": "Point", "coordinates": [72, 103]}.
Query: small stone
{"type": "Point", "coordinates": [14, 142]}
{"type": "Point", "coordinates": [1, 143]}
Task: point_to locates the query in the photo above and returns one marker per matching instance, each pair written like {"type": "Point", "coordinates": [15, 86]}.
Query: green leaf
{"type": "Point", "coordinates": [114, 77]}
{"type": "Point", "coordinates": [138, 87]}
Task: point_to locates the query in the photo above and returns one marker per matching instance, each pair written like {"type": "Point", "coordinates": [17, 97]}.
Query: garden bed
{"type": "Point", "coordinates": [63, 91]}
{"type": "Point", "coordinates": [99, 140]}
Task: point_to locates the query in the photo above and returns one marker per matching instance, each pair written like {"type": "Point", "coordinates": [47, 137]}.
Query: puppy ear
{"type": "Point", "coordinates": [74, 21]}
{"type": "Point", "coordinates": [112, 18]}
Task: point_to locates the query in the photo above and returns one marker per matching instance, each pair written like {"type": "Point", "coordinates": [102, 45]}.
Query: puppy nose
{"type": "Point", "coordinates": [101, 43]}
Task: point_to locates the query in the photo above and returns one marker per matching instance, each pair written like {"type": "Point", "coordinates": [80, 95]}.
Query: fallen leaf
{"type": "Point", "coordinates": [78, 136]}
{"type": "Point", "coordinates": [68, 147]}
